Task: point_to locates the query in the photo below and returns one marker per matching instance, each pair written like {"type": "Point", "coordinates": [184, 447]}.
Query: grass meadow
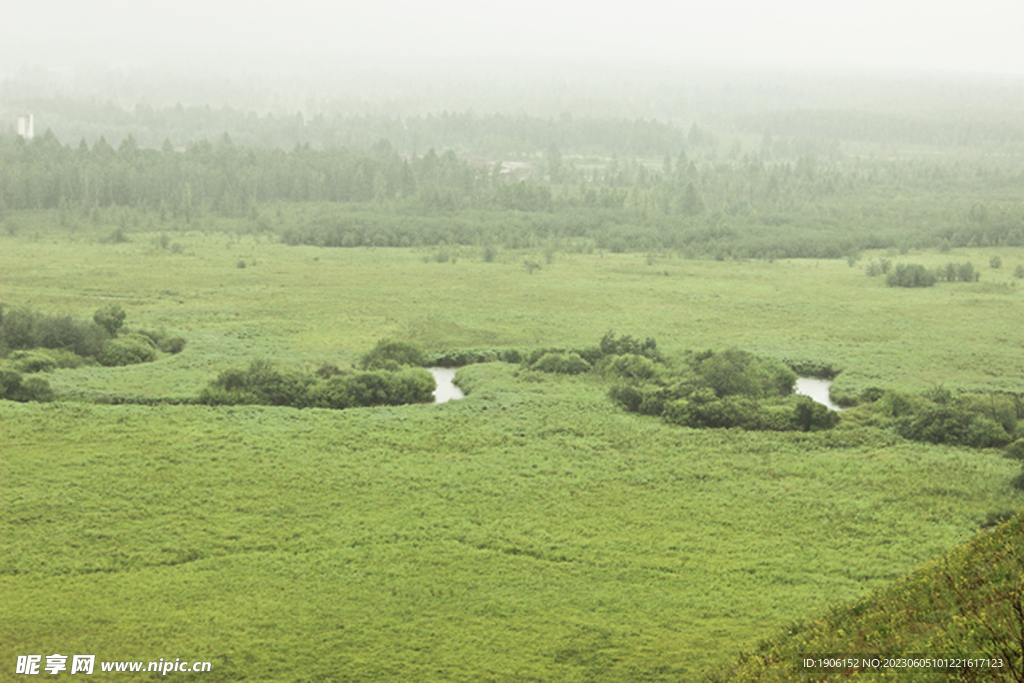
{"type": "Point", "coordinates": [531, 531]}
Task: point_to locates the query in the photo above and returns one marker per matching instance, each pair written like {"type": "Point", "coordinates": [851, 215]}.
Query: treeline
{"type": "Point", "coordinates": [742, 209]}
{"type": "Point", "coordinates": [491, 135]}
{"type": "Point", "coordinates": [916, 275]}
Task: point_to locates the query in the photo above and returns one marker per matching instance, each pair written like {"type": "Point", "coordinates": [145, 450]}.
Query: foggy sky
{"type": "Point", "coordinates": [936, 36]}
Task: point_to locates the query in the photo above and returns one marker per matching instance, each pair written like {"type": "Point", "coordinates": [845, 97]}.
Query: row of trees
{"type": "Point", "coordinates": [746, 209]}
{"type": "Point", "coordinates": [916, 275]}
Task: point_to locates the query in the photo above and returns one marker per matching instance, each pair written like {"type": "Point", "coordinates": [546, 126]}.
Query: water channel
{"type": "Point", "coordinates": [816, 389]}
{"type": "Point", "coordinates": [446, 390]}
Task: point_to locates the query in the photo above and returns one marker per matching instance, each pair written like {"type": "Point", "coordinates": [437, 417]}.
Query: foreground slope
{"type": "Point", "coordinates": [966, 607]}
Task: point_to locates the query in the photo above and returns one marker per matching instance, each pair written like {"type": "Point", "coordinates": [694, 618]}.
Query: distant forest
{"type": "Point", "coordinates": [793, 197]}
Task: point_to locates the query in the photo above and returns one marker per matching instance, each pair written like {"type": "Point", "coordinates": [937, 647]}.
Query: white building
{"type": "Point", "coordinates": [25, 127]}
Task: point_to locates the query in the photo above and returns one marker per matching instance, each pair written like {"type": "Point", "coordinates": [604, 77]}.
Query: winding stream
{"type": "Point", "coordinates": [816, 389]}
{"type": "Point", "coordinates": [446, 390]}
{"type": "Point", "coordinates": [812, 387]}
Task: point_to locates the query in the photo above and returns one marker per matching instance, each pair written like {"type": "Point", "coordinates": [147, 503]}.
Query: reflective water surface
{"type": "Point", "coordinates": [446, 391]}
{"type": "Point", "coordinates": [817, 389]}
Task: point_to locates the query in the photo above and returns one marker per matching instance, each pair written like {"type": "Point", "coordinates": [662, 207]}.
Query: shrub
{"type": "Point", "coordinates": [736, 372]}
{"type": "Point", "coordinates": [161, 340]}
{"type": "Point", "coordinates": [944, 424]}
{"type": "Point", "coordinates": [811, 416]}
{"type": "Point", "coordinates": [44, 360]}
{"type": "Point", "coordinates": [631, 366]}
{"type": "Point", "coordinates": [23, 329]}
{"type": "Point", "coordinates": [389, 353]}
{"type": "Point", "coordinates": [110, 318]}
{"type": "Point", "coordinates": [871, 394]}
{"type": "Point", "coordinates": [12, 388]}
{"type": "Point", "coordinates": [812, 368]}
{"type": "Point", "coordinates": [173, 345]}
{"type": "Point", "coordinates": [894, 404]}
{"type": "Point", "coordinates": [37, 389]}
{"type": "Point", "coordinates": [562, 363]}
{"type": "Point", "coordinates": [910, 275]}
{"type": "Point", "coordinates": [261, 383]}
{"type": "Point", "coordinates": [730, 411]}
{"type": "Point", "coordinates": [411, 385]}
{"type": "Point", "coordinates": [1015, 450]}
{"type": "Point", "coordinates": [129, 350]}
{"type": "Point", "coordinates": [462, 357]}
{"type": "Point", "coordinates": [617, 346]}
{"type": "Point", "coordinates": [995, 262]}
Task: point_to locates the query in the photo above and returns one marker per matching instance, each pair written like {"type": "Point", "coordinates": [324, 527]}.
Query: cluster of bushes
{"type": "Point", "coordinates": [916, 275]}
{"type": "Point", "coordinates": [732, 388]}
{"type": "Point", "coordinates": [389, 377]}
{"type": "Point", "coordinates": [37, 342]}
{"type": "Point", "coordinates": [910, 275]}
{"type": "Point", "coordinates": [876, 268]}
{"type": "Point", "coordinates": [23, 329]}
{"type": "Point", "coordinates": [14, 388]}
{"type": "Point", "coordinates": [576, 361]}
{"type": "Point", "coordinates": [42, 360]}
{"type": "Point", "coordinates": [939, 416]}
{"type": "Point", "coordinates": [960, 272]}
{"type": "Point", "coordinates": [462, 357]}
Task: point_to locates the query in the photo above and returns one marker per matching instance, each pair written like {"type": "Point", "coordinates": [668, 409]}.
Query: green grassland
{"type": "Point", "coordinates": [965, 609]}
{"type": "Point", "coordinates": [532, 531]}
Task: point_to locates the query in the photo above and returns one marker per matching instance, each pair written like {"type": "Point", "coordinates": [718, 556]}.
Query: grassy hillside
{"type": "Point", "coordinates": [966, 607]}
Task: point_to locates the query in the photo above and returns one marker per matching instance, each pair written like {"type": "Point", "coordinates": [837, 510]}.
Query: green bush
{"type": "Point", "coordinates": [365, 389]}
{"type": "Point", "coordinates": [129, 350]}
{"type": "Point", "coordinates": [163, 341]}
{"type": "Point", "coordinates": [894, 404]}
{"type": "Point", "coordinates": [811, 416]}
{"type": "Point", "coordinates": [1015, 450]}
{"type": "Point", "coordinates": [463, 357]}
{"type": "Point", "coordinates": [110, 317]}
{"type": "Point", "coordinates": [23, 329]}
{"type": "Point", "coordinates": [43, 360]}
{"type": "Point", "coordinates": [611, 345]}
{"type": "Point", "coordinates": [12, 388]}
{"type": "Point", "coordinates": [562, 363]}
{"type": "Point", "coordinates": [950, 425]}
{"type": "Point", "coordinates": [262, 384]}
{"type": "Point", "coordinates": [741, 373]}
{"type": "Point", "coordinates": [389, 353]}
{"type": "Point", "coordinates": [910, 275]}
{"type": "Point", "coordinates": [699, 412]}
{"type": "Point", "coordinates": [632, 366]}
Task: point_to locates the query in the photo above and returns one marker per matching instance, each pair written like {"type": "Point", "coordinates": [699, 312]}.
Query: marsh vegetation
{"type": "Point", "coordinates": [629, 489]}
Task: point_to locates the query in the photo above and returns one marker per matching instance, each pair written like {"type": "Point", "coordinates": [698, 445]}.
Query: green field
{"type": "Point", "coordinates": [532, 531]}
